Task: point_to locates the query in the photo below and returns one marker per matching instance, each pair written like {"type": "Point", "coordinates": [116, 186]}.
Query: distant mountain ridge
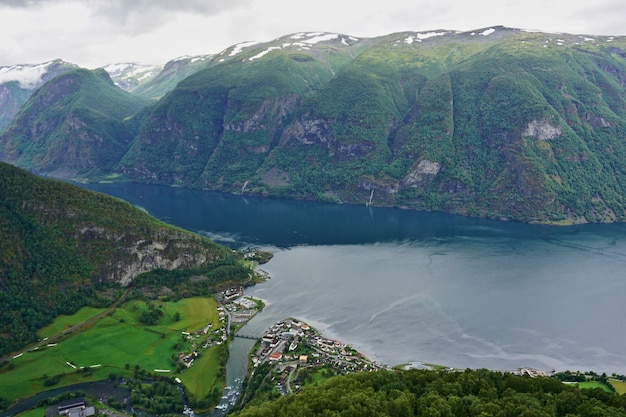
{"type": "Point", "coordinates": [496, 122]}
{"type": "Point", "coordinates": [130, 75]}
{"type": "Point", "coordinates": [72, 125]}
{"type": "Point", "coordinates": [19, 82]}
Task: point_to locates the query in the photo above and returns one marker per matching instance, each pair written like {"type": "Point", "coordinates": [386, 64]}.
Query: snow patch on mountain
{"type": "Point", "coordinates": [312, 38]}
{"type": "Point", "coordinates": [321, 38]}
{"type": "Point", "coordinates": [28, 76]}
{"type": "Point", "coordinates": [240, 46]}
{"type": "Point", "coordinates": [192, 59]}
{"type": "Point", "coordinates": [304, 42]}
{"type": "Point", "coordinates": [419, 37]}
{"type": "Point", "coordinates": [125, 75]}
{"type": "Point", "coordinates": [138, 71]}
{"type": "Point", "coordinates": [259, 55]}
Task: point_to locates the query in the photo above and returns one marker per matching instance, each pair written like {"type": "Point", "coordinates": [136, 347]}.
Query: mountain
{"type": "Point", "coordinates": [64, 247]}
{"type": "Point", "coordinates": [129, 76]}
{"type": "Point", "coordinates": [71, 126]}
{"type": "Point", "coordinates": [154, 81]}
{"type": "Point", "coordinates": [17, 83]}
{"type": "Point", "coordinates": [227, 117]}
{"type": "Point", "coordinates": [173, 72]}
{"type": "Point", "coordinates": [497, 122]}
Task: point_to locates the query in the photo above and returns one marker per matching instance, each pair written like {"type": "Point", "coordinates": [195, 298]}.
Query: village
{"type": "Point", "coordinates": [291, 346]}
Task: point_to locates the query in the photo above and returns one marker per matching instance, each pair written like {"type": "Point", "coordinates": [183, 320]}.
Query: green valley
{"type": "Point", "coordinates": [122, 345]}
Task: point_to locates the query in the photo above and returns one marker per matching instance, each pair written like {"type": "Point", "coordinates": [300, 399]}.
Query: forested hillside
{"type": "Point", "coordinates": [478, 393]}
{"type": "Point", "coordinates": [63, 247]}
{"type": "Point", "coordinates": [498, 122]}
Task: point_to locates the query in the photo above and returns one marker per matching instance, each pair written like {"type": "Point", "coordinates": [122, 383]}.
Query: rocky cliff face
{"type": "Point", "coordinates": [130, 254]}
{"type": "Point", "coordinates": [10, 103]}
{"type": "Point", "coordinates": [151, 256]}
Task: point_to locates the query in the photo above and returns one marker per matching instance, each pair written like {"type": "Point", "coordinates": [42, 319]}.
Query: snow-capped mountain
{"type": "Point", "coordinates": [18, 82]}
{"type": "Point", "coordinates": [30, 77]}
{"type": "Point", "coordinates": [153, 81]}
{"type": "Point", "coordinates": [130, 75]}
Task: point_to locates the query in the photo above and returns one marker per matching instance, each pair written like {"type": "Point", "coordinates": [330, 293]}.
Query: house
{"type": "Point", "coordinates": [75, 407]}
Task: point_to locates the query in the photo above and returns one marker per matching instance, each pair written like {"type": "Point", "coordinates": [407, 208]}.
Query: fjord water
{"type": "Point", "coordinates": [404, 286]}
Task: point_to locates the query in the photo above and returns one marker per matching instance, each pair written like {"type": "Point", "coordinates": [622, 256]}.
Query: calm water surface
{"type": "Point", "coordinates": [404, 286]}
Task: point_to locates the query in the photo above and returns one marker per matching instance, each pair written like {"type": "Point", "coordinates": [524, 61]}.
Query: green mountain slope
{"type": "Point", "coordinates": [63, 247]}
{"type": "Point", "coordinates": [219, 124]}
{"type": "Point", "coordinates": [498, 122]}
{"type": "Point", "coordinates": [172, 73]}
{"type": "Point", "coordinates": [72, 125]}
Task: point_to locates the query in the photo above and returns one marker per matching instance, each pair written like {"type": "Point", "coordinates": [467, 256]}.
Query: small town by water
{"type": "Point", "coordinates": [284, 350]}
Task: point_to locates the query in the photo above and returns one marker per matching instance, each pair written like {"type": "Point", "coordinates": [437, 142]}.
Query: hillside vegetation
{"type": "Point", "coordinates": [499, 123]}
{"type": "Point", "coordinates": [428, 393]}
{"type": "Point", "coordinates": [73, 125]}
{"type": "Point", "coordinates": [64, 247]}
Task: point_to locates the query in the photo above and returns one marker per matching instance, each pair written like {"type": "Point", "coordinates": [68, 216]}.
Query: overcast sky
{"type": "Point", "coordinates": [94, 33]}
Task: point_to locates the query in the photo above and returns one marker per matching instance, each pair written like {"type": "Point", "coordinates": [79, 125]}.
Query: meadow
{"type": "Point", "coordinates": [116, 344]}
{"type": "Point", "coordinates": [593, 385]}
{"type": "Point", "coordinates": [64, 322]}
{"type": "Point", "coordinates": [620, 386]}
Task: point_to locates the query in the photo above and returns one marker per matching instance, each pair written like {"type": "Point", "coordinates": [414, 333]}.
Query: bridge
{"type": "Point", "coordinates": [245, 336]}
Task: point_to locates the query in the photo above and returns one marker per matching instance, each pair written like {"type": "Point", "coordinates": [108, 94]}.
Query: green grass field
{"type": "Point", "coordinates": [202, 376]}
{"type": "Point", "coordinates": [113, 342]}
{"type": "Point", "coordinates": [620, 386]}
{"type": "Point", "coordinates": [592, 385]}
{"type": "Point", "coordinates": [64, 322]}
{"type": "Point", "coordinates": [35, 412]}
